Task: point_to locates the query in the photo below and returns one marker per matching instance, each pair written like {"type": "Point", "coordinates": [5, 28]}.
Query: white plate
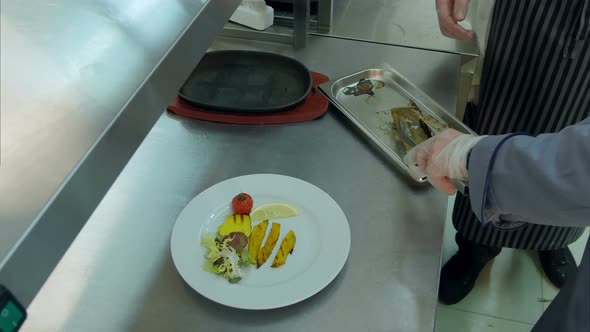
{"type": "Point", "coordinates": [323, 243]}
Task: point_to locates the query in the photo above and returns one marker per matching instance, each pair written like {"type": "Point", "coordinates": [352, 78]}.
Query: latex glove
{"type": "Point", "coordinates": [450, 12]}
{"type": "Point", "coordinates": [444, 157]}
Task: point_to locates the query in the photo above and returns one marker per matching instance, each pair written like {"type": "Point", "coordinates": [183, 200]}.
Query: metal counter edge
{"type": "Point", "coordinates": [27, 266]}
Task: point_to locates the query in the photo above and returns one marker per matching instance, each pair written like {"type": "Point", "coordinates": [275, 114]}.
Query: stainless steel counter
{"type": "Point", "coordinates": [118, 274]}
{"type": "Point", "coordinates": [82, 84]}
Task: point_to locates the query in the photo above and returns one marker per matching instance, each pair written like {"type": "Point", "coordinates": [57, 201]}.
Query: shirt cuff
{"type": "Point", "coordinates": [478, 163]}
{"type": "Point", "coordinates": [479, 160]}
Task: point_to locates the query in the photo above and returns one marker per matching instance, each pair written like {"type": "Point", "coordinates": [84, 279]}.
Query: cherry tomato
{"type": "Point", "coordinates": [242, 203]}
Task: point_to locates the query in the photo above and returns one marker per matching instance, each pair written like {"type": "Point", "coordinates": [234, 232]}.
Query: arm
{"type": "Point", "coordinates": [544, 180]}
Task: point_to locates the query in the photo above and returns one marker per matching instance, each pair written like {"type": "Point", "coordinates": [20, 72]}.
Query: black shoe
{"type": "Point", "coordinates": [558, 265]}
{"type": "Point", "coordinates": [459, 274]}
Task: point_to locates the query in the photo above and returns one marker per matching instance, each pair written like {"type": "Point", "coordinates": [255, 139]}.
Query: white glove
{"type": "Point", "coordinates": [444, 157]}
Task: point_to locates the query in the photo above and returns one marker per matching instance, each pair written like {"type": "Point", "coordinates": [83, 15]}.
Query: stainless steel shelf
{"type": "Point", "coordinates": [409, 23]}
{"type": "Point", "coordinates": [82, 84]}
{"type": "Point", "coordinates": [406, 23]}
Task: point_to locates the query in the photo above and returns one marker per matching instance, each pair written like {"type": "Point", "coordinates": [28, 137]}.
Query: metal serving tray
{"type": "Point", "coordinates": [371, 113]}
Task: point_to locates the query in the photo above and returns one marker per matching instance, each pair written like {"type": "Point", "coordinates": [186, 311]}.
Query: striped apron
{"type": "Point", "coordinates": [535, 79]}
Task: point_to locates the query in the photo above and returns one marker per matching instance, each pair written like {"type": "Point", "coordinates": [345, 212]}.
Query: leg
{"type": "Point", "coordinates": [559, 264]}
{"type": "Point", "coordinates": [459, 274]}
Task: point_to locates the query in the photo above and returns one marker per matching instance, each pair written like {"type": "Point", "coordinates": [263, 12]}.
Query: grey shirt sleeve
{"type": "Point", "coordinates": [542, 180]}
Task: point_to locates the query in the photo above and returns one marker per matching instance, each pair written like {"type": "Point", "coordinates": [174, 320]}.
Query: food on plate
{"type": "Point", "coordinates": [286, 248]}
{"type": "Point", "coordinates": [269, 245]}
{"type": "Point", "coordinates": [236, 244]}
{"type": "Point", "coordinates": [242, 203]}
{"type": "Point", "coordinates": [237, 240]}
{"type": "Point", "coordinates": [256, 238]}
{"type": "Point", "coordinates": [236, 223]}
{"type": "Point", "coordinates": [273, 211]}
{"type": "Point", "coordinates": [223, 259]}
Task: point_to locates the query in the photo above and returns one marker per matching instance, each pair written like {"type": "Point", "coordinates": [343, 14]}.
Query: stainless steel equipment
{"type": "Point", "coordinates": [320, 14]}
{"type": "Point", "coordinates": [408, 23]}
{"type": "Point", "coordinates": [118, 274]}
{"type": "Point", "coordinates": [371, 112]}
{"type": "Point", "coordinates": [82, 84]}
{"type": "Point", "coordinates": [295, 35]}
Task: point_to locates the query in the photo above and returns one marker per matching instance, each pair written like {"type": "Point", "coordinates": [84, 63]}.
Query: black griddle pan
{"type": "Point", "coordinates": [246, 82]}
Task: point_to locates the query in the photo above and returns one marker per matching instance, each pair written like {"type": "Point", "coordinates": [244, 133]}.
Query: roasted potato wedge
{"type": "Point", "coordinates": [269, 245]}
{"type": "Point", "coordinates": [286, 248]}
{"type": "Point", "coordinates": [258, 233]}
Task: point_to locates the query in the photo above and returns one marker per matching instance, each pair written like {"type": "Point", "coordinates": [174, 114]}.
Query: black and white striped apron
{"type": "Point", "coordinates": [536, 78]}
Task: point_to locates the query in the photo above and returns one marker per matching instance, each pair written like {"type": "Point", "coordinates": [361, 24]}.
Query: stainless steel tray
{"type": "Point", "coordinates": [371, 113]}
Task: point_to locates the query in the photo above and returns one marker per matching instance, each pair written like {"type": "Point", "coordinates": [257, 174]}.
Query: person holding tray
{"type": "Point", "coordinates": [516, 181]}
{"type": "Point", "coordinates": [535, 79]}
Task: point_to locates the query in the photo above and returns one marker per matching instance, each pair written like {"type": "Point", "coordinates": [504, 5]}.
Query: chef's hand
{"type": "Point", "coordinates": [444, 157]}
{"type": "Point", "coordinates": [450, 12]}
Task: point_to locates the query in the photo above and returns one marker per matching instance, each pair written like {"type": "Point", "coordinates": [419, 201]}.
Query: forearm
{"type": "Point", "coordinates": [544, 180]}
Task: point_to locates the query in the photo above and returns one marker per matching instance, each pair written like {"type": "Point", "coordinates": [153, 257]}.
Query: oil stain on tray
{"type": "Point", "coordinates": [364, 87]}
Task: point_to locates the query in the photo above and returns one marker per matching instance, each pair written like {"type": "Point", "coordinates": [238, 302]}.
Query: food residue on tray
{"type": "Point", "coordinates": [236, 244]}
{"type": "Point", "coordinates": [410, 125]}
{"type": "Point", "coordinates": [364, 87]}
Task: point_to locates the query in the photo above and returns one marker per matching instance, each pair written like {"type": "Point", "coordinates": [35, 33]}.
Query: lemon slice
{"type": "Point", "coordinates": [270, 211]}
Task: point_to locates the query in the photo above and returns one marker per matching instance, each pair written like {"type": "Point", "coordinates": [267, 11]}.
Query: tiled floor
{"type": "Point", "coordinates": [509, 295]}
